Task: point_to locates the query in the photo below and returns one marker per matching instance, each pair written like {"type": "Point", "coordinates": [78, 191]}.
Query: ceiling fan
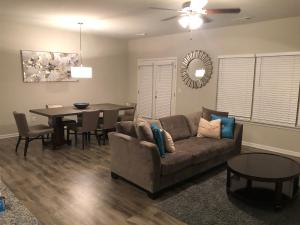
{"type": "Point", "coordinates": [193, 14]}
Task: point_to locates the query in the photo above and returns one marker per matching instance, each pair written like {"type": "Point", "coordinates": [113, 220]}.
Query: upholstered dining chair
{"type": "Point", "coordinates": [88, 125]}
{"type": "Point", "coordinates": [128, 114]}
{"type": "Point", "coordinates": [29, 133]}
{"type": "Point", "coordinates": [108, 123]}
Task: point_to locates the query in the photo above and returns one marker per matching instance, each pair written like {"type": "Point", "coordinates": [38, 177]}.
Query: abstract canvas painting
{"type": "Point", "coordinates": [41, 66]}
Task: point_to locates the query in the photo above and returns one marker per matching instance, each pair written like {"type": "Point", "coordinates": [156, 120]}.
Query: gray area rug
{"type": "Point", "coordinates": [205, 202]}
{"type": "Point", "coordinates": [16, 213]}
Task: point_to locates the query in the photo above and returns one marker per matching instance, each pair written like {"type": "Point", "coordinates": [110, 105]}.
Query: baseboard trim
{"type": "Point", "coordinates": [272, 149]}
{"type": "Point", "coordinates": [5, 136]}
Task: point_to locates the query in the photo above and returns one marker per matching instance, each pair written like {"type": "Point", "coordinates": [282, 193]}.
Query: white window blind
{"type": "Point", "coordinates": [277, 89]}
{"type": "Point", "coordinates": [235, 85]}
{"type": "Point", "coordinates": [145, 92]}
{"type": "Point", "coordinates": [164, 83]}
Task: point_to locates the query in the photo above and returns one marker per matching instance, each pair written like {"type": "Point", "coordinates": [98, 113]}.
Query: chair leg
{"type": "Point", "coordinates": [89, 136]}
{"type": "Point", "coordinates": [26, 146]}
{"type": "Point", "coordinates": [83, 140]}
{"type": "Point", "coordinates": [18, 143]}
{"type": "Point", "coordinates": [97, 137]}
{"type": "Point", "coordinates": [43, 140]}
{"type": "Point", "coordinates": [104, 137]}
{"type": "Point", "coordinates": [76, 138]}
{"type": "Point", "coordinates": [68, 135]}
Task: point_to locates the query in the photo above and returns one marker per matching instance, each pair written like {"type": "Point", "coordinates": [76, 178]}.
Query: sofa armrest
{"type": "Point", "coordinates": [238, 135]}
{"type": "Point", "coordinates": [136, 161]}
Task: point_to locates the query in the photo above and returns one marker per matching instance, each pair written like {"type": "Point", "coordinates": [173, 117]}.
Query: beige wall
{"type": "Point", "coordinates": [108, 57]}
{"type": "Point", "coordinates": [271, 36]}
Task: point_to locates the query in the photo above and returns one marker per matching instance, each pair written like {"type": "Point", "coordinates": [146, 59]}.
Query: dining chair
{"type": "Point", "coordinates": [108, 123]}
{"type": "Point", "coordinates": [129, 113]}
{"type": "Point", "coordinates": [29, 133]}
{"type": "Point", "coordinates": [88, 125]}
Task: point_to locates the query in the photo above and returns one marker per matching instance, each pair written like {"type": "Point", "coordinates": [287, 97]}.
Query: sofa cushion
{"type": "Point", "coordinates": [177, 126]}
{"type": "Point", "coordinates": [193, 120]}
{"type": "Point", "coordinates": [173, 162]}
{"type": "Point", "coordinates": [126, 127]}
{"type": "Point", "coordinates": [203, 149]}
{"type": "Point", "coordinates": [206, 113]}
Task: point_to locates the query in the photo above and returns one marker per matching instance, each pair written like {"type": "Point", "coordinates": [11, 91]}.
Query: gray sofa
{"type": "Point", "coordinates": [140, 163]}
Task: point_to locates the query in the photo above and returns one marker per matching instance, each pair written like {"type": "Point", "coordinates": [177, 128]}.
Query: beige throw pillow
{"type": "Point", "coordinates": [210, 129]}
{"type": "Point", "coordinates": [169, 144]}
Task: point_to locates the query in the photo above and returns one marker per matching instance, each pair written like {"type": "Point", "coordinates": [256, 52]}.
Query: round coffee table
{"type": "Point", "coordinates": [265, 167]}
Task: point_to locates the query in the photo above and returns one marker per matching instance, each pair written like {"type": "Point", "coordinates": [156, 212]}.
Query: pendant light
{"type": "Point", "coordinates": [81, 71]}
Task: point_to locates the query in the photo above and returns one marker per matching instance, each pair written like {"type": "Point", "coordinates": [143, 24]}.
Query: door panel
{"type": "Point", "coordinates": [145, 91]}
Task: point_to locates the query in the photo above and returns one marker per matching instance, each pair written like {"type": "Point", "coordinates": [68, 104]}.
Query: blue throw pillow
{"type": "Point", "coordinates": [227, 123]}
{"type": "Point", "coordinates": [159, 139]}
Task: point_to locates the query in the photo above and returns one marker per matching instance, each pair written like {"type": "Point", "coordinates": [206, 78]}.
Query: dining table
{"type": "Point", "coordinates": [57, 115]}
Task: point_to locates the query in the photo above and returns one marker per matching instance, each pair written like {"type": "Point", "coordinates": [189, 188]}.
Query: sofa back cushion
{"type": "Point", "coordinates": [193, 120]}
{"type": "Point", "coordinates": [177, 126]}
{"type": "Point", "coordinates": [126, 127]}
{"type": "Point", "coordinates": [206, 113]}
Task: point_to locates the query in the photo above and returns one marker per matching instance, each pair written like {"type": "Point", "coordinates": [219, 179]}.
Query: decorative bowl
{"type": "Point", "coordinates": [81, 105]}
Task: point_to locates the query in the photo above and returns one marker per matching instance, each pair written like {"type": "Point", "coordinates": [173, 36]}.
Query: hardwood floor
{"type": "Point", "coordinates": [72, 186]}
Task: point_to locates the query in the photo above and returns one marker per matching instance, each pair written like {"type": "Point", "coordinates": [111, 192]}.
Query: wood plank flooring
{"type": "Point", "coordinates": [72, 186]}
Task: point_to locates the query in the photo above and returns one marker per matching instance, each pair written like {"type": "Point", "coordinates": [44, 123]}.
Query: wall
{"type": "Point", "coordinates": [271, 36]}
{"type": "Point", "coordinates": [107, 56]}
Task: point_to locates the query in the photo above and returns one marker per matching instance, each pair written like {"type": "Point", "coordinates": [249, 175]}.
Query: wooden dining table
{"type": "Point", "coordinates": [57, 114]}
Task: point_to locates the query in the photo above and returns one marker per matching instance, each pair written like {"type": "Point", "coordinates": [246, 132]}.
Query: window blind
{"type": "Point", "coordinates": [277, 89]}
{"type": "Point", "coordinates": [235, 85]}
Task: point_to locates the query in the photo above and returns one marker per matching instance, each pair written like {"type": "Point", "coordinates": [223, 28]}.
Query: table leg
{"type": "Point", "coordinates": [278, 195]}
{"type": "Point", "coordinates": [59, 132]}
{"type": "Point", "coordinates": [296, 187]}
{"type": "Point", "coordinates": [228, 183]}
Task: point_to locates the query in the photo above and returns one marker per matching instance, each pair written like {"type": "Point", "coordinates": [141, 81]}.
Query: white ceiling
{"type": "Point", "coordinates": [126, 18]}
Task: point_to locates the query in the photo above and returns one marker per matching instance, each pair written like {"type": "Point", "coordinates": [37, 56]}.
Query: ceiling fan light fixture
{"type": "Point", "coordinates": [195, 22]}
{"type": "Point", "coordinates": [184, 21]}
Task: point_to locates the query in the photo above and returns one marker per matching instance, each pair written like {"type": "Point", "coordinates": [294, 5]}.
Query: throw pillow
{"type": "Point", "coordinates": [227, 130]}
{"type": "Point", "coordinates": [206, 113]}
{"type": "Point", "coordinates": [143, 131]}
{"type": "Point", "coordinates": [169, 144]}
{"type": "Point", "coordinates": [210, 129]}
{"type": "Point", "coordinates": [159, 139]}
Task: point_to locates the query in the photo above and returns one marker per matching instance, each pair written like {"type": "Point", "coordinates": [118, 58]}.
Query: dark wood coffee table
{"type": "Point", "coordinates": [265, 167]}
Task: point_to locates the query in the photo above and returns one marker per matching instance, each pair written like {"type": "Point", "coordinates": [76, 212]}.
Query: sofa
{"type": "Point", "coordinates": [140, 163]}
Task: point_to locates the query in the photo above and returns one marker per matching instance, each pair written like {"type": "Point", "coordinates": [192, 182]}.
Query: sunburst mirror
{"type": "Point", "coordinates": [196, 69]}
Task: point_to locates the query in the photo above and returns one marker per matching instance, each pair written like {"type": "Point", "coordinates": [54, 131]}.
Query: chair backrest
{"type": "Point", "coordinates": [90, 120]}
{"type": "Point", "coordinates": [22, 124]}
{"type": "Point", "coordinates": [130, 112]}
{"type": "Point", "coordinates": [110, 118]}
{"type": "Point", "coordinates": [48, 106]}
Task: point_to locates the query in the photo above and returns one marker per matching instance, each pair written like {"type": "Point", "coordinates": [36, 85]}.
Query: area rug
{"type": "Point", "coordinates": [16, 213]}
{"type": "Point", "coordinates": [205, 202]}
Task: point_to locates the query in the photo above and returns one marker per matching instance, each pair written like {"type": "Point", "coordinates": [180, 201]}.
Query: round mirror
{"type": "Point", "coordinates": [196, 69]}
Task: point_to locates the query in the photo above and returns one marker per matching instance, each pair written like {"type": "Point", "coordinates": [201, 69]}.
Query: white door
{"type": "Point", "coordinates": [156, 87]}
{"type": "Point", "coordinates": [145, 90]}
{"type": "Point", "coordinates": [163, 89]}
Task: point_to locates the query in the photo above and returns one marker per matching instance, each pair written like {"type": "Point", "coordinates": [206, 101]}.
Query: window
{"type": "Point", "coordinates": [270, 94]}
{"type": "Point", "coordinates": [277, 89]}
{"type": "Point", "coordinates": [235, 85]}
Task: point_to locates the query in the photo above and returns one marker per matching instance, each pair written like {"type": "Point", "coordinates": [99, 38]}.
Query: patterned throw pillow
{"type": "Point", "coordinates": [210, 129]}
{"type": "Point", "coordinates": [169, 144]}
{"type": "Point", "coordinates": [143, 131]}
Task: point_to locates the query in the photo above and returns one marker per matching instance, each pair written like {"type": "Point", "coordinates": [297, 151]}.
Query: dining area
{"type": "Point", "coordinates": [68, 125]}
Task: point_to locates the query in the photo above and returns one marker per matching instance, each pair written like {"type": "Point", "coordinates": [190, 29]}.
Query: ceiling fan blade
{"type": "Point", "coordinates": [206, 19]}
{"type": "Point", "coordinates": [170, 18]}
{"type": "Point", "coordinates": [217, 11]}
{"type": "Point", "coordinates": [159, 8]}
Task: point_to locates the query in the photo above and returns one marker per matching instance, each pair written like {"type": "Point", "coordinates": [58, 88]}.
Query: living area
{"type": "Point", "coordinates": [208, 115]}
